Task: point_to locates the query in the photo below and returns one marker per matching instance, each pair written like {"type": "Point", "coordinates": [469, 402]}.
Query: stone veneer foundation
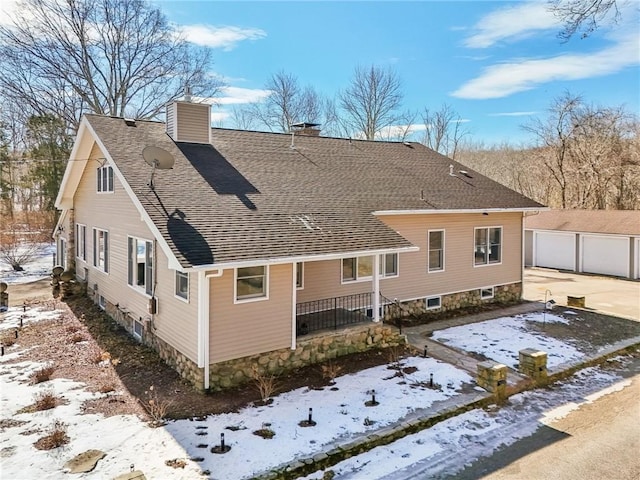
{"type": "Point", "coordinates": [507, 294]}
{"type": "Point", "coordinates": [311, 349]}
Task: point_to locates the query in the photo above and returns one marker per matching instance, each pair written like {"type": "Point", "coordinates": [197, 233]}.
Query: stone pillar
{"type": "Point", "coordinates": [492, 376]}
{"type": "Point", "coordinates": [533, 363]}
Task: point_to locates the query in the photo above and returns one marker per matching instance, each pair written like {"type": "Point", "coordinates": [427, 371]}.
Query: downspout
{"type": "Point", "coordinates": [203, 321]}
{"type": "Point", "coordinates": [376, 288]}
{"type": "Point", "coordinates": [294, 301]}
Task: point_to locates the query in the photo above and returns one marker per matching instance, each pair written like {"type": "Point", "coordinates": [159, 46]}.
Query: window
{"type": "Point", "coordinates": [299, 275]}
{"type": "Point", "coordinates": [436, 251]}
{"type": "Point", "coordinates": [361, 268]}
{"type": "Point", "coordinates": [101, 249]}
{"type": "Point", "coordinates": [137, 329]}
{"type": "Point", "coordinates": [486, 293]}
{"type": "Point", "coordinates": [433, 302]}
{"type": "Point", "coordinates": [182, 285]}
{"type": "Point", "coordinates": [251, 283]}
{"type": "Point", "coordinates": [140, 262]}
{"type": "Point", "coordinates": [102, 303]}
{"type": "Point", "coordinates": [389, 265]}
{"type": "Point", "coordinates": [81, 241]}
{"type": "Point", "coordinates": [104, 179]}
{"type": "Point", "coordinates": [487, 245]}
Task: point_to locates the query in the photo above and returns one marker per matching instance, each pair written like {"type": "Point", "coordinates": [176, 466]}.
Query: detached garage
{"type": "Point", "coordinates": [605, 242]}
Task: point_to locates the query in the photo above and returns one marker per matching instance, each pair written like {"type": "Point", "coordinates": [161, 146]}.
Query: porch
{"type": "Point", "coordinates": [339, 312]}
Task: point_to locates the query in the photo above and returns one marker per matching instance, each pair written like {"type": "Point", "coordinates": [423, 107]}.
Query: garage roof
{"type": "Point", "coordinates": [614, 222]}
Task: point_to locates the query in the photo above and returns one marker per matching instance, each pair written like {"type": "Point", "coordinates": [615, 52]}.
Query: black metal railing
{"type": "Point", "coordinates": [333, 313]}
{"type": "Point", "coordinates": [392, 312]}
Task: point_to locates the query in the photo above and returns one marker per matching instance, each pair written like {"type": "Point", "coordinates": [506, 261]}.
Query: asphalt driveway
{"type": "Point", "coordinates": [612, 296]}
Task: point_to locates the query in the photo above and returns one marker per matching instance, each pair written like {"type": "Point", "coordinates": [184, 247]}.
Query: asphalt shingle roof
{"type": "Point", "coordinates": [620, 222]}
{"type": "Point", "coordinates": [250, 195]}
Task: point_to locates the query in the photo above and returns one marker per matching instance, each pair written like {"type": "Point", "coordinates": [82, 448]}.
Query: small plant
{"type": "Point", "coordinates": [176, 463]}
{"type": "Point", "coordinates": [72, 328]}
{"type": "Point", "coordinates": [394, 357]}
{"type": "Point", "coordinates": [106, 388]}
{"type": "Point", "coordinates": [368, 422]}
{"type": "Point", "coordinates": [328, 475]}
{"type": "Point", "coordinates": [45, 400]}
{"type": "Point", "coordinates": [8, 340]}
{"type": "Point", "coordinates": [42, 375]}
{"type": "Point", "coordinates": [156, 407]}
{"type": "Point", "coordinates": [265, 383]}
{"type": "Point", "coordinates": [56, 437]}
{"type": "Point", "coordinates": [330, 371]}
{"type": "Point", "coordinates": [77, 337]}
{"type": "Point", "coordinates": [265, 431]}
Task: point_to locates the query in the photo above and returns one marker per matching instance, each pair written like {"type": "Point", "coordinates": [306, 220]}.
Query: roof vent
{"type": "Point", "coordinates": [130, 122]}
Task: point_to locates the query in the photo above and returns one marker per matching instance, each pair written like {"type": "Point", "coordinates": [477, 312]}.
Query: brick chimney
{"type": "Point", "coordinates": [189, 121]}
{"type": "Point", "coordinates": [305, 128]}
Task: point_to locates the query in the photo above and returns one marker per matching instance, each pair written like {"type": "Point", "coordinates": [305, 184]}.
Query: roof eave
{"type": "Point", "coordinates": [459, 210]}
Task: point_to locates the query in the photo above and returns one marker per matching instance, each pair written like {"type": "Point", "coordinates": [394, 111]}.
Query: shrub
{"type": "Point", "coordinates": [56, 438]}
{"type": "Point", "coordinates": [330, 371]}
{"type": "Point", "coordinates": [106, 388]}
{"type": "Point", "coordinates": [265, 383]}
{"type": "Point", "coordinates": [77, 338]}
{"type": "Point", "coordinates": [42, 375]}
{"type": "Point", "coordinates": [156, 407]}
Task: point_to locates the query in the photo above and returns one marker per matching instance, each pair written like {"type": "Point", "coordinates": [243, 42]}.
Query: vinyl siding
{"type": "Point", "coordinates": [322, 279]}
{"type": "Point", "coordinates": [176, 320]}
{"type": "Point", "coordinates": [243, 329]}
{"type": "Point", "coordinates": [192, 122]}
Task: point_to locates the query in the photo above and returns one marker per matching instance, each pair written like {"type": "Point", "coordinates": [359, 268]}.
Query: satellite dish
{"type": "Point", "coordinates": [158, 158]}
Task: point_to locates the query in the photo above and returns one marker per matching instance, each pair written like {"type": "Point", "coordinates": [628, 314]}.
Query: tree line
{"type": "Point", "coordinates": [61, 59]}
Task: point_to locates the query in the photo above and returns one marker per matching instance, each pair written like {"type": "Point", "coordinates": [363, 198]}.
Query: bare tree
{"type": "Point", "coordinates": [113, 57]}
{"type": "Point", "coordinates": [582, 15]}
{"type": "Point", "coordinates": [371, 102]}
{"type": "Point", "coordinates": [444, 130]}
{"type": "Point", "coordinates": [286, 104]}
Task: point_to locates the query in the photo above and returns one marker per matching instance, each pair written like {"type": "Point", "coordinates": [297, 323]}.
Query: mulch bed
{"type": "Point", "coordinates": [139, 367]}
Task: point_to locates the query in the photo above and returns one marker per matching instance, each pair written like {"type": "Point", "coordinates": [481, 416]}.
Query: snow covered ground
{"type": "Point", "coordinates": [39, 268]}
{"type": "Point", "coordinates": [340, 413]}
{"type": "Point", "coordinates": [502, 338]}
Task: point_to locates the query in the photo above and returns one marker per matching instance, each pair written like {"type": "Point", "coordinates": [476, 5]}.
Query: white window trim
{"type": "Point", "coordinates": [383, 257]}
{"type": "Point", "coordinates": [105, 269]}
{"type": "Point", "coordinates": [439, 270]}
{"type": "Point", "coordinates": [102, 302]}
{"type": "Point", "coordinates": [236, 300]}
{"type": "Point", "coordinates": [473, 253]}
{"type": "Point", "coordinates": [142, 289]}
{"type": "Point", "coordinates": [301, 287]}
{"type": "Point", "coordinates": [487, 297]}
{"type": "Point", "coordinates": [175, 286]}
{"type": "Point", "coordinates": [106, 168]}
{"type": "Point", "coordinates": [426, 302]}
{"type": "Point", "coordinates": [81, 227]}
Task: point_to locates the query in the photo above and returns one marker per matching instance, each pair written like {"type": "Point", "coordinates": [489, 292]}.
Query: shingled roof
{"type": "Point", "coordinates": [618, 222]}
{"type": "Point", "coordinates": [250, 196]}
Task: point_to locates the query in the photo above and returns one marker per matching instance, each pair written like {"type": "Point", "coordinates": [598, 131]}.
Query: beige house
{"type": "Point", "coordinates": [241, 248]}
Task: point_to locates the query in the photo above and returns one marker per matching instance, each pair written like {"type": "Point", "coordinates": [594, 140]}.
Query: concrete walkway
{"type": "Point", "coordinates": [419, 337]}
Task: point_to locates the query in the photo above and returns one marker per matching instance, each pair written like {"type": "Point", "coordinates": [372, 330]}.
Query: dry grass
{"type": "Point", "coordinates": [9, 340]}
{"type": "Point", "coordinates": [42, 375]}
{"type": "Point", "coordinates": [77, 338]}
{"type": "Point", "coordinates": [106, 388]}
{"type": "Point", "coordinates": [56, 437]}
{"type": "Point", "coordinates": [45, 400]}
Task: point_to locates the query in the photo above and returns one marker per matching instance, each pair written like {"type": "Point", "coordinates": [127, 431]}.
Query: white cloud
{"type": "Point", "coordinates": [238, 95]}
{"type": "Point", "coordinates": [226, 37]}
{"type": "Point", "coordinates": [512, 114]}
{"type": "Point", "coordinates": [513, 23]}
{"type": "Point", "coordinates": [398, 131]}
{"type": "Point", "coordinates": [506, 79]}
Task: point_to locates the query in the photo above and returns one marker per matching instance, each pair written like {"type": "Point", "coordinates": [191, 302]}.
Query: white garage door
{"type": "Point", "coordinates": [555, 250]}
{"type": "Point", "coordinates": [605, 255]}
{"type": "Point", "coordinates": [637, 250]}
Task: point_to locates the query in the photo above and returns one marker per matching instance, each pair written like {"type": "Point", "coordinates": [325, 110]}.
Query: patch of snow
{"type": "Point", "coordinates": [39, 268]}
{"type": "Point", "coordinates": [501, 339]}
{"type": "Point", "coordinates": [11, 318]}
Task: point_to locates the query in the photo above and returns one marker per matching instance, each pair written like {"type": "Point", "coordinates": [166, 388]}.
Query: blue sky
{"type": "Point", "coordinates": [496, 63]}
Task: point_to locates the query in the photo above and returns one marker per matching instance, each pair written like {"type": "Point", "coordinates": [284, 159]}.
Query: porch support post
{"type": "Point", "coordinates": [294, 300]}
{"type": "Point", "coordinates": [203, 325]}
{"type": "Point", "coordinates": [376, 288]}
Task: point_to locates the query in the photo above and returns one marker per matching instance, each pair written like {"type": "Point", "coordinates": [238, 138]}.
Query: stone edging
{"type": "Point", "coordinates": [386, 435]}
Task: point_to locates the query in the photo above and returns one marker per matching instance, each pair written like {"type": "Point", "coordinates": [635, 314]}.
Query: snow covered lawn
{"type": "Point", "coordinates": [502, 338]}
{"type": "Point", "coordinates": [340, 413]}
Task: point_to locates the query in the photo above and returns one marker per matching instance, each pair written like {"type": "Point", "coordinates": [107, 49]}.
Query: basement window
{"type": "Point", "coordinates": [486, 293]}
{"type": "Point", "coordinates": [433, 302]}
